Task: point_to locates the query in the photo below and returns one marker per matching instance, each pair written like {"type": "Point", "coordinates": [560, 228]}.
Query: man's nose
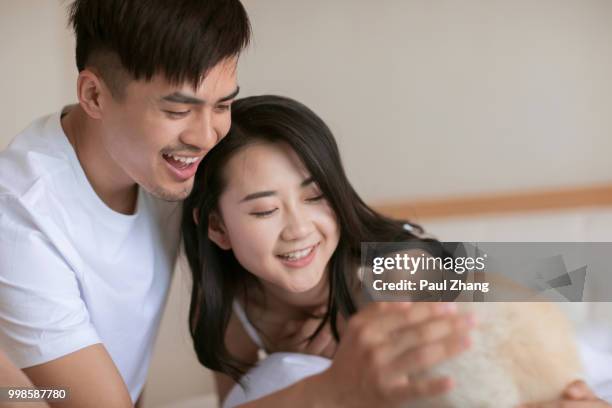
{"type": "Point", "coordinates": [203, 134]}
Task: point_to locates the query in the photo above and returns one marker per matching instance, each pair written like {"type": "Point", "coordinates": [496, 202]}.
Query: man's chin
{"type": "Point", "coordinates": [172, 195]}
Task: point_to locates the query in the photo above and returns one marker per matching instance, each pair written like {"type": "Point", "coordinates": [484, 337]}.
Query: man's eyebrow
{"type": "Point", "coordinates": [179, 97]}
{"type": "Point", "coordinates": [230, 96]}
{"type": "Point", "coordinates": [269, 193]}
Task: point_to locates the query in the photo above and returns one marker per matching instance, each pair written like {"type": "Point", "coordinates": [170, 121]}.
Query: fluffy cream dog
{"type": "Point", "coordinates": [521, 352]}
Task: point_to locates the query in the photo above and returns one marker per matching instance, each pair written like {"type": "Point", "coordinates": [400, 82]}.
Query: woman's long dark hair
{"type": "Point", "coordinates": [217, 275]}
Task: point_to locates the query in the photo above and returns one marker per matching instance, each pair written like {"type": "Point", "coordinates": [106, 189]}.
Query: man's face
{"type": "Point", "coordinates": [158, 133]}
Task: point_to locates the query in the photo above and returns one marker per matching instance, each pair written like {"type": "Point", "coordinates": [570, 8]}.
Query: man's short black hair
{"type": "Point", "coordinates": [179, 39]}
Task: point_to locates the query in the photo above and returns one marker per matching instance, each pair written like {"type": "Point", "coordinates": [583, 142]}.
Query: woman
{"type": "Point", "coordinates": [272, 232]}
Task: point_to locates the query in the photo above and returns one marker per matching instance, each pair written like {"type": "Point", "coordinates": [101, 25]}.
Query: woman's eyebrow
{"type": "Point", "coordinates": [258, 194]}
{"type": "Point", "coordinates": [269, 193]}
{"type": "Point", "coordinates": [306, 182]}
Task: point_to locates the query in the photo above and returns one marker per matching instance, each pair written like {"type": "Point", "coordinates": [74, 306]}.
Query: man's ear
{"type": "Point", "coordinates": [90, 92]}
{"type": "Point", "coordinates": [217, 232]}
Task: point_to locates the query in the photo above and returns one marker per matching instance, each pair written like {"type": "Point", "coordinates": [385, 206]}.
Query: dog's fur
{"type": "Point", "coordinates": [521, 352]}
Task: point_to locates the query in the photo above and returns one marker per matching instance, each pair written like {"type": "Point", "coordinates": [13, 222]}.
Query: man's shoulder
{"type": "Point", "coordinates": [33, 170]}
{"type": "Point", "coordinates": [35, 155]}
{"type": "Point", "coordinates": [36, 136]}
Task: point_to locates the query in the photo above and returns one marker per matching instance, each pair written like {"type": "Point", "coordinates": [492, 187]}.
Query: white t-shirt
{"type": "Point", "coordinates": [73, 272]}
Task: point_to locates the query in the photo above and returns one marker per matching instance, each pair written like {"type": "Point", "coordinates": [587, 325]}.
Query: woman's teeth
{"type": "Point", "coordinates": [296, 255]}
{"type": "Point", "coordinates": [184, 160]}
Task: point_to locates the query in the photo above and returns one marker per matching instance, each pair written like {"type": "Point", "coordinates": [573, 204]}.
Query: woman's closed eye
{"type": "Point", "coordinates": [316, 198]}
{"type": "Point", "coordinates": [262, 214]}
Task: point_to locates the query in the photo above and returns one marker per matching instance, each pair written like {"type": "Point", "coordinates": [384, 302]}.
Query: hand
{"type": "Point", "coordinates": [576, 395]}
{"type": "Point", "coordinates": [297, 336]}
{"type": "Point", "coordinates": [386, 342]}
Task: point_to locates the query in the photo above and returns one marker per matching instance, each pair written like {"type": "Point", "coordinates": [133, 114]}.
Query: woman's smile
{"type": "Point", "coordinates": [299, 258]}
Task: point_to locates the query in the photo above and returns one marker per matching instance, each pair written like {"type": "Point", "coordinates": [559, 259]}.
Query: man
{"type": "Point", "coordinates": [88, 196]}
{"type": "Point", "coordinates": [88, 218]}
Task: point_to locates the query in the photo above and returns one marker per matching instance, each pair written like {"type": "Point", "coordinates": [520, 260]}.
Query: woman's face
{"type": "Point", "coordinates": [274, 218]}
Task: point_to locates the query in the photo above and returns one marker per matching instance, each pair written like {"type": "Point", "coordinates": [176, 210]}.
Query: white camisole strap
{"type": "Point", "coordinates": [250, 329]}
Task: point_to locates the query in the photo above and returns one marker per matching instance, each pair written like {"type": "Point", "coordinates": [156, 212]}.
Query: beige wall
{"type": "Point", "coordinates": [425, 97]}
{"type": "Point", "coordinates": [175, 372]}
{"type": "Point", "coordinates": [444, 97]}
{"type": "Point", "coordinates": [37, 69]}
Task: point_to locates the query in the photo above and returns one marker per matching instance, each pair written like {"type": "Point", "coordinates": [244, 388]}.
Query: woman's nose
{"type": "Point", "coordinates": [298, 226]}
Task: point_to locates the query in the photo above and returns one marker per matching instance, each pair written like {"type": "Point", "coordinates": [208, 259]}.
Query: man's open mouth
{"type": "Point", "coordinates": [180, 162]}
{"type": "Point", "coordinates": [182, 167]}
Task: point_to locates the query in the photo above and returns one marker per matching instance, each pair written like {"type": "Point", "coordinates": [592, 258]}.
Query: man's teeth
{"type": "Point", "coordinates": [294, 256]}
{"type": "Point", "coordinates": [185, 160]}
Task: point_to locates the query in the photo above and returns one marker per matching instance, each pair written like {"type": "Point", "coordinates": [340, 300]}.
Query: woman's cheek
{"type": "Point", "coordinates": [261, 234]}
{"type": "Point", "coordinates": [328, 219]}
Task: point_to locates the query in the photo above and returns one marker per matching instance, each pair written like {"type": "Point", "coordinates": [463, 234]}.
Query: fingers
{"type": "Point", "coordinates": [425, 311]}
{"type": "Point", "coordinates": [426, 388]}
{"type": "Point", "coordinates": [567, 404]}
{"type": "Point", "coordinates": [386, 342]}
{"type": "Point", "coordinates": [408, 340]}
{"type": "Point", "coordinates": [379, 321]}
{"type": "Point", "coordinates": [579, 390]}
{"type": "Point", "coordinates": [424, 344]}
{"type": "Point", "coordinates": [576, 395]}
{"type": "Point", "coordinates": [431, 354]}
{"type": "Point", "coordinates": [432, 331]}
